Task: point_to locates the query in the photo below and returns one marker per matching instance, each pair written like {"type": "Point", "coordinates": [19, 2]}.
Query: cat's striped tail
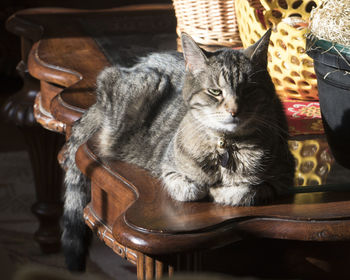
{"type": "Point", "coordinates": [76, 236]}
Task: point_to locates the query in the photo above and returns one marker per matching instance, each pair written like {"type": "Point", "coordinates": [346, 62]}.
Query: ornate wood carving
{"type": "Point", "coordinates": [148, 267]}
{"type": "Point", "coordinates": [44, 118]}
{"type": "Point", "coordinates": [105, 234]}
{"type": "Point", "coordinates": [18, 109]}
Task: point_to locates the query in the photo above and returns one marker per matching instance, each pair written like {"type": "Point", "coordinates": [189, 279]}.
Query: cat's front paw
{"type": "Point", "coordinates": [181, 189]}
{"type": "Point", "coordinates": [242, 195]}
{"type": "Point", "coordinates": [187, 192]}
{"type": "Point", "coordinates": [228, 195]}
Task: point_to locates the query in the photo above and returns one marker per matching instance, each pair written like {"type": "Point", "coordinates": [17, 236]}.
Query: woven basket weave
{"type": "Point", "coordinates": [313, 161]}
{"type": "Point", "coordinates": [208, 22]}
{"type": "Point", "coordinates": [290, 67]}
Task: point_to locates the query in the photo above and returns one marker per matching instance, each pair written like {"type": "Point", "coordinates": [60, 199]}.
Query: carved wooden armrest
{"type": "Point", "coordinates": [140, 215]}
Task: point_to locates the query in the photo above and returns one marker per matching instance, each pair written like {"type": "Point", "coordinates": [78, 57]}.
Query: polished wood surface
{"type": "Point", "coordinates": [149, 219]}
{"type": "Point", "coordinates": [129, 209]}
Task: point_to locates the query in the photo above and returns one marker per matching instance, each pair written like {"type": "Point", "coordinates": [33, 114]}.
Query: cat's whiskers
{"type": "Point", "coordinates": [265, 121]}
{"type": "Point", "coordinates": [269, 123]}
{"type": "Point", "coordinates": [218, 116]}
{"type": "Point", "coordinates": [276, 128]}
{"type": "Point", "coordinates": [257, 72]}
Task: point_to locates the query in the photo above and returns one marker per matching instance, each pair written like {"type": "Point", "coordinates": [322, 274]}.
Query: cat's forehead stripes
{"type": "Point", "coordinates": [231, 71]}
{"type": "Point", "coordinates": [222, 79]}
{"type": "Point", "coordinates": [228, 75]}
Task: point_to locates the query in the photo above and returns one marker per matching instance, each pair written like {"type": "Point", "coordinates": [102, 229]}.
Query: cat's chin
{"type": "Point", "coordinates": [230, 127]}
{"type": "Point", "coordinates": [222, 126]}
{"type": "Point", "coordinates": [225, 127]}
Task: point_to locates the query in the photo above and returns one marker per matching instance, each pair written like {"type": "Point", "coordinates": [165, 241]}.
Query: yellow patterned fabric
{"type": "Point", "coordinates": [303, 117]}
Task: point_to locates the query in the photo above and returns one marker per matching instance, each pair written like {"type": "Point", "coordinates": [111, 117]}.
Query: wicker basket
{"type": "Point", "coordinates": [290, 68]}
{"type": "Point", "coordinates": [209, 22]}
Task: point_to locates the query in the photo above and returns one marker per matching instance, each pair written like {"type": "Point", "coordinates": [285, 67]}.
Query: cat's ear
{"type": "Point", "coordinates": [195, 59]}
{"type": "Point", "coordinates": [257, 52]}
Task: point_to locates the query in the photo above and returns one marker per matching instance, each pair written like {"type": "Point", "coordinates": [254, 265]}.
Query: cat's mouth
{"type": "Point", "coordinates": [230, 124]}
{"type": "Point", "coordinates": [230, 121]}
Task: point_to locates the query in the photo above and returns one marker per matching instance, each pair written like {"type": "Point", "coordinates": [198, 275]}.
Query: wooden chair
{"type": "Point", "coordinates": [129, 210]}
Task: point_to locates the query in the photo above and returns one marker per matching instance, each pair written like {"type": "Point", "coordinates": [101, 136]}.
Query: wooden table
{"type": "Point", "coordinates": [129, 210]}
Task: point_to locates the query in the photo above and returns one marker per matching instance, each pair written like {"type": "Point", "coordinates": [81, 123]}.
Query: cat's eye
{"type": "Point", "coordinates": [215, 92]}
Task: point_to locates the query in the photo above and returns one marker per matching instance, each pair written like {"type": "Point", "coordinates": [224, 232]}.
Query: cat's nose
{"type": "Point", "coordinates": [232, 111]}
{"type": "Point", "coordinates": [231, 107]}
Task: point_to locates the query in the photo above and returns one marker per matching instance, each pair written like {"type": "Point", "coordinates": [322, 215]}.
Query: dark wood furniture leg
{"type": "Point", "coordinates": [42, 146]}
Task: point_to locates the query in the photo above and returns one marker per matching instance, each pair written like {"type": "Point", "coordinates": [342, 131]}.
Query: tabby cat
{"type": "Point", "coordinates": [206, 123]}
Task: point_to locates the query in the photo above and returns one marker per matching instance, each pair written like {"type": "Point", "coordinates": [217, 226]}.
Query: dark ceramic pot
{"type": "Point", "coordinates": [333, 80]}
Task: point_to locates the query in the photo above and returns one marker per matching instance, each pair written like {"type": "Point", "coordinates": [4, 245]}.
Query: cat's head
{"type": "Point", "coordinates": [221, 87]}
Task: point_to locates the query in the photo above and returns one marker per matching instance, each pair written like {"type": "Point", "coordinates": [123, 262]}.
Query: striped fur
{"type": "Point", "coordinates": [168, 113]}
